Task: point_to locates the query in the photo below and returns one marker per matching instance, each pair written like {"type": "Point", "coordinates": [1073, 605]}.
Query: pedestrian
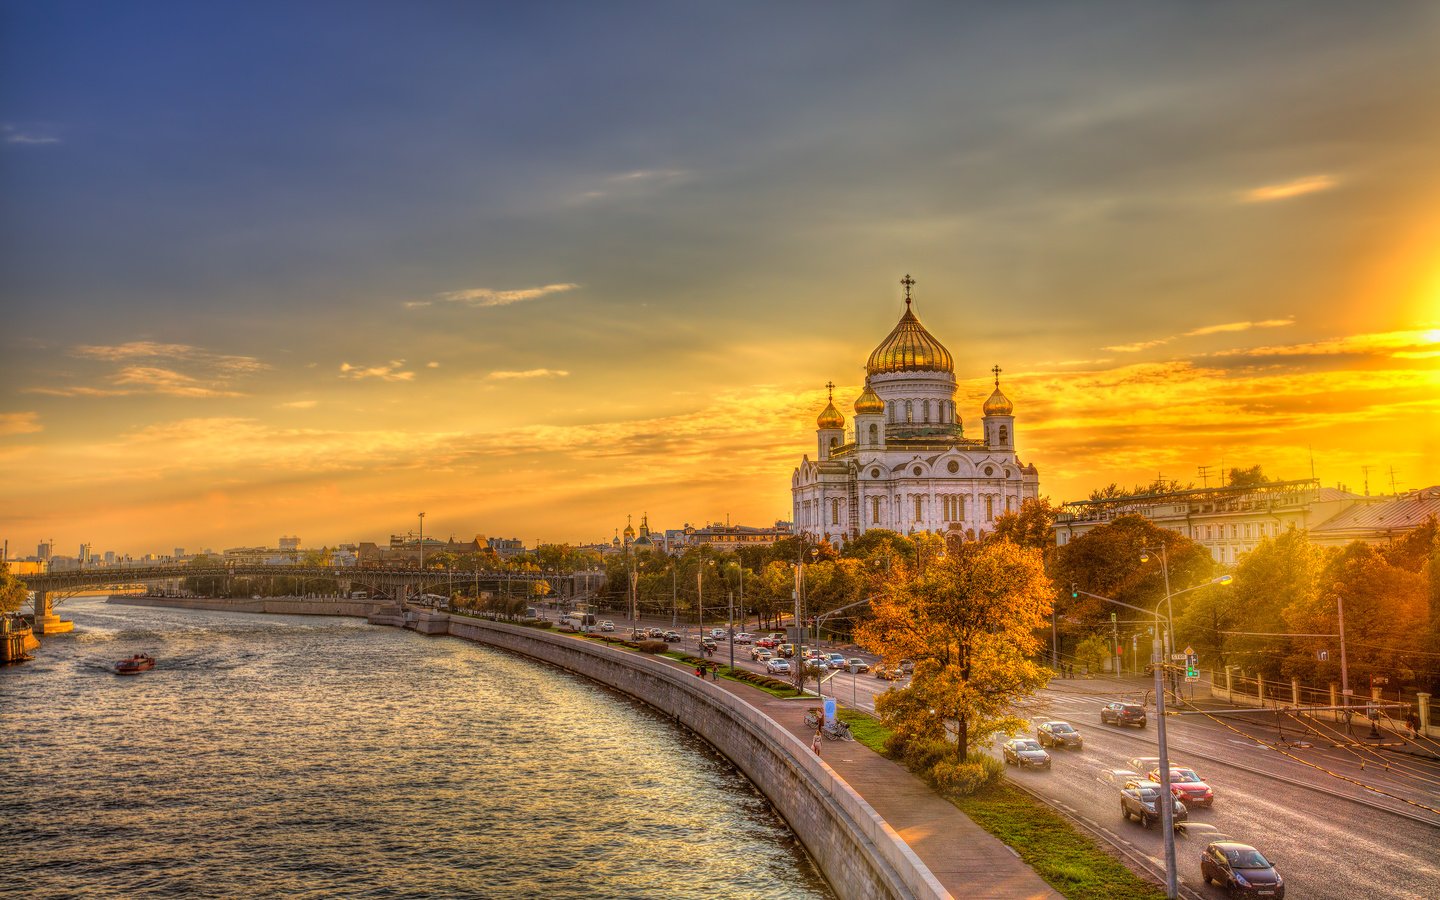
{"type": "Point", "coordinates": [699, 671]}
{"type": "Point", "coordinates": [815, 743]}
{"type": "Point", "coordinates": [715, 673]}
{"type": "Point", "coordinates": [1412, 722]}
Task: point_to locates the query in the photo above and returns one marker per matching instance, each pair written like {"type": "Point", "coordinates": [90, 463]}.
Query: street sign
{"type": "Point", "coordinates": [1189, 651]}
{"type": "Point", "coordinates": [1195, 677]}
{"type": "Point", "coordinates": [1179, 657]}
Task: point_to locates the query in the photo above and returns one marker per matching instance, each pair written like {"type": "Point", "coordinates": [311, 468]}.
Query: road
{"type": "Point", "coordinates": [1338, 822]}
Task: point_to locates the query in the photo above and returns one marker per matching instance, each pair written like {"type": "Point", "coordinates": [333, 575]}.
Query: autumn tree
{"type": "Point", "coordinates": [1031, 526]}
{"type": "Point", "coordinates": [969, 622]}
{"type": "Point", "coordinates": [12, 590]}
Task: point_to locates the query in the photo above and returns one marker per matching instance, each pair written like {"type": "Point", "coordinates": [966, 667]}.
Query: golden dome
{"type": "Point", "coordinates": [830, 417]}
{"type": "Point", "coordinates": [910, 348]}
{"type": "Point", "coordinates": [868, 402]}
{"type": "Point", "coordinates": [998, 404]}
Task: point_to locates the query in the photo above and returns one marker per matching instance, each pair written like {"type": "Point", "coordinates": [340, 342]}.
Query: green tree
{"type": "Point", "coordinates": [969, 622]}
{"type": "Point", "coordinates": [1244, 478]}
{"type": "Point", "coordinates": [12, 590]}
{"type": "Point", "coordinates": [1031, 526]}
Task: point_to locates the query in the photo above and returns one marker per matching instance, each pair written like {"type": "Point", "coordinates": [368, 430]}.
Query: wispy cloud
{"type": "Point", "coordinates": [155, 380]}
{"type": "Point", "coordinates": [1400, 344]}
{"type": "Point", "coordinates": [217, 362]}
{"type": "Point", "coordinates": [485, 297]}
{"type": "Point", "coordinates": [1239, 326]}
{"type": "Point", "coordinates": [1227, 327]}
{"type": "Point", "coordinates": [299, 404]}
{"type": "Point", "coordinates": [393, 371]}
{"type": "Point", "coordinates": [20, 423]}
{"type": "Point", "coordinates": [625, 182]}
{"type": "Point", "coordinates": [13, 135]}
{"type": "Point", "coordinates": [1296, 188]}
{"type": "Point", "coordinates": [528, 373]}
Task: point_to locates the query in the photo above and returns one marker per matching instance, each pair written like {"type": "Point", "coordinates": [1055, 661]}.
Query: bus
{"type": "Point", "coordinates": [578, 621]}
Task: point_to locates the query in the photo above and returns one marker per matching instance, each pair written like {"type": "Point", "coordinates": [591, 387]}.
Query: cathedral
{"type": "Point", "coordinates": [905, 464]}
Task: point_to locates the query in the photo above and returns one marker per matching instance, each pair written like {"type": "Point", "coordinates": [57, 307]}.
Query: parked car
{"type": "Point", "coordinates": [1139, 799]}
{"type": "Point", "coordinates": [672, 637]}
{"type": "Point", "coordinates": [1122, 714]}
{"type": "Point", "coordinates": [1059, 734]}
{"type": "Point", "coordinates": [1241, 869]}
{"type": "Point", "coordinates": [744, 637]}
{"type": "Point", "coordinates": [607, 625]}
{"type": "Point", "coordinates": [761, 654]}
{"type": "Point", "coordinates": [857, 664]}
{"type": "Point", "coordinates": [1025, 753]}
{"type": "Point", "coordinates": [1186, 785]}
{"type": "Point", "coordinates": [778, 666]}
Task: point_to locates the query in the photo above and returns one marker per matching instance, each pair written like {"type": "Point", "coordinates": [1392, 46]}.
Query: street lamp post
{"type": "Point", "coordinates": [1169, 645]}
{"type": "Point", "coordinates": [422, 557]}
{"type": "Point", "coordinates": [1166, 801]}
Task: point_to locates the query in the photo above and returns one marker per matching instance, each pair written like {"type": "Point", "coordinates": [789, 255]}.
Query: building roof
{"type": "Point", "coordinates": [1397, 514]}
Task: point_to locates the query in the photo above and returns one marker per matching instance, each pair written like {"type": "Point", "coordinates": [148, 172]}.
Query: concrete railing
{"type": "Point", "coordinates": [284, 606]}
{"type": "Point", "coordinates": [860, 855]}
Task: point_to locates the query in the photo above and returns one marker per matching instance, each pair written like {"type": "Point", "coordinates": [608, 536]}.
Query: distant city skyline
{"type": "Point", "coordinates": [314, 268]}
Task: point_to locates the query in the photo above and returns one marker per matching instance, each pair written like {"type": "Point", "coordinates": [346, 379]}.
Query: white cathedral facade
{"type": "Point", "coordinates": [906, 464]}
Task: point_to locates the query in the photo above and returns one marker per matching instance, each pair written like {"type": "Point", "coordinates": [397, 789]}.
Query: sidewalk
{"type": "Point", "coordinates": [965, 858]}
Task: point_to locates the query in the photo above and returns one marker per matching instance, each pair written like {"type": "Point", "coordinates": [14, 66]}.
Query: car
{"type": "Point", "coordinates": [744, 637]}
{"type": "Point", "coordinates": [1025, 753]}
{"type": "Point", "coordinates": [671, 637]}
{"type": "Point", "coordinates": [657, 633]}
{"type": "Point", "coordinates": [778, 637]}
{"type": "Point", "coordinates": [761, 654]}
{"type": "Point", "coordinates": [787, 650]}
{"type": "Point", "coordinates": [1203, 834]}
{"type": "Point", "coordinates": [607, 625]}
{"type": "Point", "coordinates": [767, 643]}
{"type": "Point", "coordinates": [858, 665]}
{"type": "Point", "coordinates": [1143, 764]}
{"type": "Point", "coordinates": [717, 633]}
{"type": "Point", "coordinates": [708, 643]}
{"type": "Point", "coordinates": [838, 661]}
{"type": "Point", "coordinates": [778, 666]}
{"type": "Point", "coordinates": [1186, 785]}
{"type": "Point", "coordinates": [1122, 714]}
{"type": "Point", "coordinates": [1241, 869]}
{"type": "Point", "coordinates": [888, 673]}
{"type": "Point", "coordinates": [1059, 734]}
{"type": "Point", "coordinates": [1138, 799]}
{"type": "Point", "coordinates": [1118, 777]}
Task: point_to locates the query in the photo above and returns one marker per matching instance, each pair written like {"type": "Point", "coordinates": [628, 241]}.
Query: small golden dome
{"type": "Point", "coordinates": [830, 417]}
{"type": "Point", "coordinates": [909, 347]}
{"type": "Point", "coordinates": [998, 404]}
{"type": "Point", "coordinates": [868, 402]}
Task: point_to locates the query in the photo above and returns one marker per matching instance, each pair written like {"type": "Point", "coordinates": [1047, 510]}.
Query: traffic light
{"type": "Point", "coordinates": [1074, 591]}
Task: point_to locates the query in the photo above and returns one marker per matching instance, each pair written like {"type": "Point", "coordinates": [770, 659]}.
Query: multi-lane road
{"type": "Point", "coordinates": [1338, 822]}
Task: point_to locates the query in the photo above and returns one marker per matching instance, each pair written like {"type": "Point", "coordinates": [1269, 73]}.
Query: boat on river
{"type": "Point", "coordinates": [140, 662]}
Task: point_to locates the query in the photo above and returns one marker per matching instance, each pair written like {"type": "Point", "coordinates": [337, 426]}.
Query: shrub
{"type": "Point", "coordinates": [652, 647]}
{"type": "Point", "coordinates": [963, 779]}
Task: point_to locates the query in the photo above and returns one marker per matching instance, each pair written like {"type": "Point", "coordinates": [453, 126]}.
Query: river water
{"type": "Point", "coordinates": [325, 757]}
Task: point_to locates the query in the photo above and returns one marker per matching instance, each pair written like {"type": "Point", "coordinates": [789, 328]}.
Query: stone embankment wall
{"type": "Point", "coordinates": [285, 606]}
{"type": "Point", "coordinates": [859, 854]}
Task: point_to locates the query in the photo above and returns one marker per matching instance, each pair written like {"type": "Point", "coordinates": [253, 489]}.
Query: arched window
{"type": "Point", "coordinates": [919, 507]}
{"type": "Point", "coordinates": [925, 410]}
{"type": "Point", "coordinates": [834, 442]}
{"type": "Point", "coordinates": [874, 510]}
{"type": "Point", "coordinates": [989, 508]}
{"type": "Point", "coordinates": [909, 412]}
{"type": "Point", "coordinates": [1004, 435]}
{"type": "Point", "coordinates": [874, 433]}
{"type": "Point", "coordinates": [893, 412]}
{"type": "Point", "coordinates": [834, 512]}
{"type": "Point", "coordinates": [962, 507]}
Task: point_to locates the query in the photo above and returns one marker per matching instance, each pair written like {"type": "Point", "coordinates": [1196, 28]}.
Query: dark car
{"type": "Point", "coordinates": [1186, 785]}
{"type": "Point", "coordinates": [1122, 714]}
{"type": "Point", "coordinates": [1059, 734]}
{"type": "Point", "coordinates": [1139, 798]}
{"type": "Point", "coordinates": [708, 643]}
{"type": "Point", "coordinates": [1025, 752]}
{"type": "Point", "coordinates": [1241, 869]}
{"type": "Point", "coordinates": [672, 637]}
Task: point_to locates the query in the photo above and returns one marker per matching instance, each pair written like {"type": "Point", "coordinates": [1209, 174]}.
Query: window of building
{"type": "Point", "coordinates": [952, 467]}
{"type": "Point", "coordinates": [909, 412]}
{"type": "Point", "coordinates": [925, 410]}
{"type": "Point", "coordinates": [874, 510]}
{"type": "Point", "coordinates": [989, 506]}
{"type": "Point", "coordinates": [915, 471]}
{"type": "Point", "coordinates": [1008, 498]}
{"type": "Point", "coordinates": [874, 434]}
{"type": "Point", "coordinates": [1004, 435]}
{"type": "Point", "coordinates": [834, 512]}
{"type": "Point", "coordinates": [989, 470]}
{"type": "Point", "coordinates": [961, 509]}
{"type": "Point", "coordinates": [874, 473]}
{"type": "Point", "coordinates": [834, 442]}
{"type": "Point", "coordinates": [919, 508]}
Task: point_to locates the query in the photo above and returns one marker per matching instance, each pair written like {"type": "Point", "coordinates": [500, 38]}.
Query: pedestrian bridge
{"type": "Point", "coordinates": [397, 584]}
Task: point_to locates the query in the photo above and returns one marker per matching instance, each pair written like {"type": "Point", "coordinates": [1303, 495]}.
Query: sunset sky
{"type": "Point", "coordinates": [312, 268]}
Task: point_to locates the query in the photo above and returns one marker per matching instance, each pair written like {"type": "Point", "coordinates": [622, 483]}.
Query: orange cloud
{"type": "Point", "coordinates": [391, 372]}
{"type": "Point", "coordinates": [20, 423]}
{"type": "Point", "coordinates": [484, 297]}
{"type": "Point", "coordinates": [1296, 188]}
{"type": "Point", "coordinates": [528, 373]}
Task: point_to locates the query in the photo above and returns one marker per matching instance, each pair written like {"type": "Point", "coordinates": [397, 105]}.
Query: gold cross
{"type": "Point", "coordinates": [830, 386]}
{"type": "Point", "coordinates": [909, 283]}
{"type": "Point", "coordinates": [996, 370]}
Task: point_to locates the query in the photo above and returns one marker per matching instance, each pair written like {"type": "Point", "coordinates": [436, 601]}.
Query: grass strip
{"type": "Point", "coordinates": [1070, 860]}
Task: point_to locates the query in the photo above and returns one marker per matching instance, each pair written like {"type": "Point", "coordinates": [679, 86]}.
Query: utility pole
{"type": "Point", "coordinates": [1115, 642]}
{"type": "Point", "coordinates": [732, 630]}
{"type": "Point", "coordinates": [1344, 666]}
{"type": "Point", "coordinates": [1365, 470]}
{"type": "Point", "coordinates": [1166, 800]}
{"type": "Point", "coordinates": [1204, 473]}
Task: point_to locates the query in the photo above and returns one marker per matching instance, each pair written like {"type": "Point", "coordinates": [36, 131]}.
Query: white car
{"type": "Point", "coordinates": [607, 625]}
{"type": "Point", "coordinates": [744, 638]}
{"type": "Point", "coordinates": [717, 633]}
{"type": "Point", "coordinates": [761, 654]}
{"type": "Point", "coordinates": [778, 666]}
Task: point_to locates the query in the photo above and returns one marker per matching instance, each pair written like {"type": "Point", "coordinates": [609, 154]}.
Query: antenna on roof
{"type": "Point", "coordinates": [1312, 462]}
{"type": "Point", "coordinates": [1393, 489]}
{"type": "Point", "coordinates": [1204, 473]}
{"type": "Point", "coordinates": [1365, 470]}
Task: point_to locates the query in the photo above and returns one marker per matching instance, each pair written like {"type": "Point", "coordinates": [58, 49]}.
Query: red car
{"type": "Point", "coordinates": [767, 643]}
{"type": "Point", "coordinates": [1187, 786]}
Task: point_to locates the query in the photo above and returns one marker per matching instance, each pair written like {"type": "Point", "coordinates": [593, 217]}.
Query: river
{"type": "Point", "coordinates": [311, 756]}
